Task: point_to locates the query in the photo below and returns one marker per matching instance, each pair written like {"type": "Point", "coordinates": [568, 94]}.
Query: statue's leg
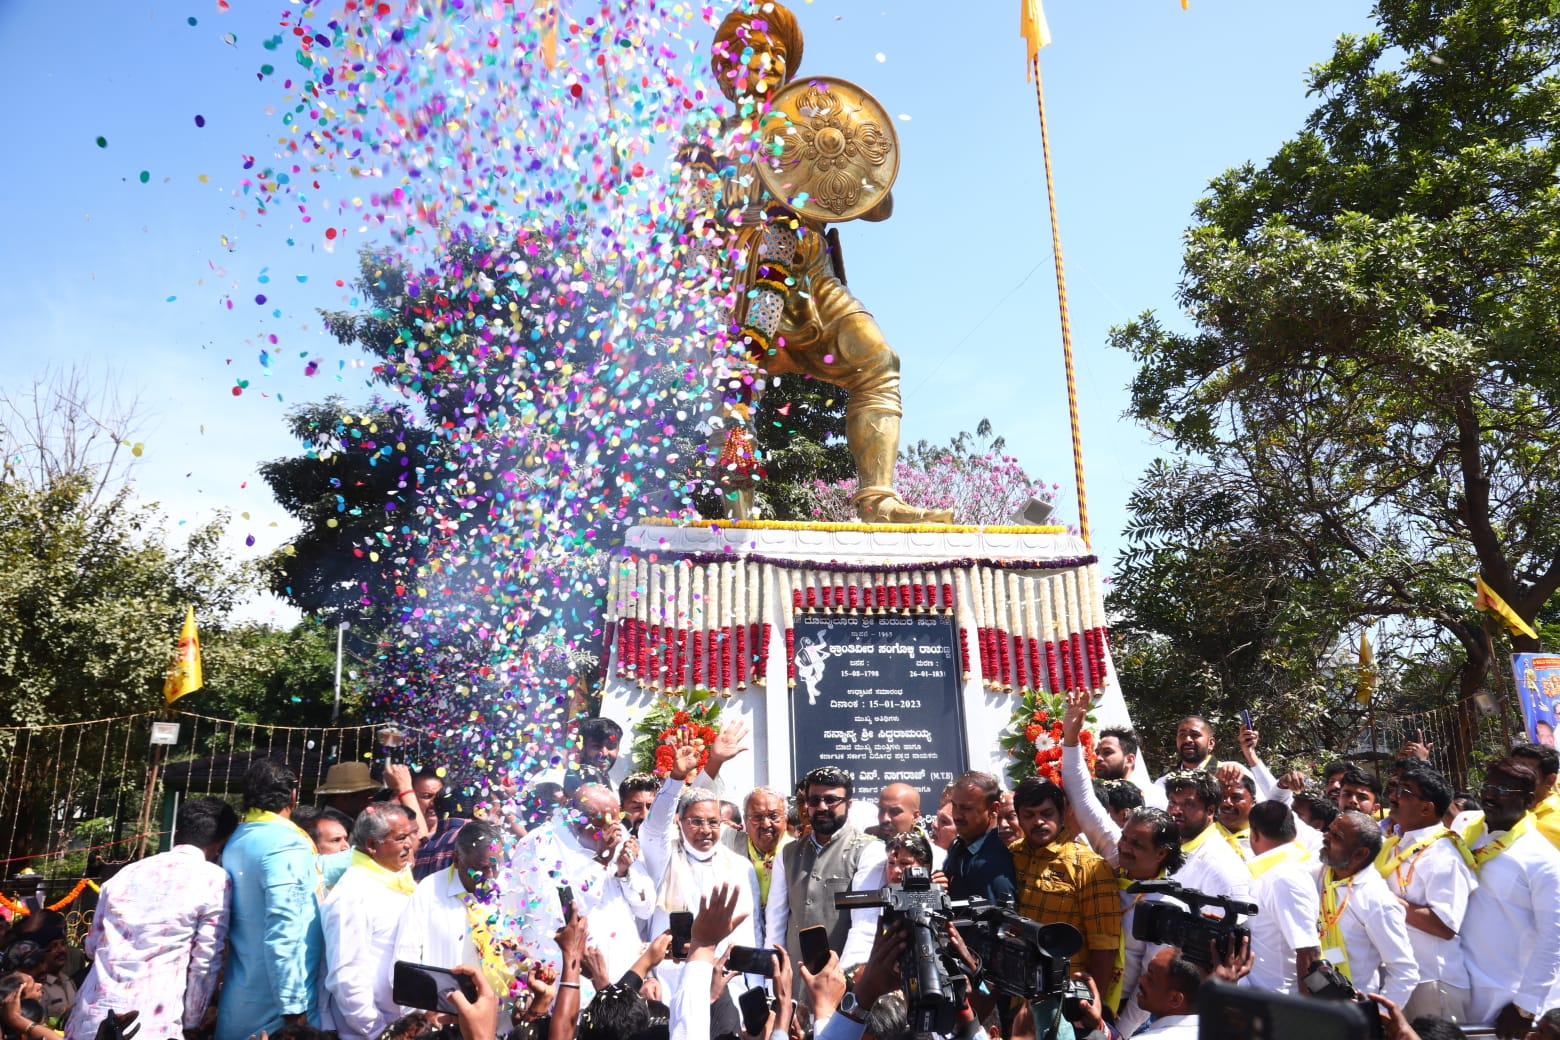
{"type": "Point", "coordinates": [867, 366]}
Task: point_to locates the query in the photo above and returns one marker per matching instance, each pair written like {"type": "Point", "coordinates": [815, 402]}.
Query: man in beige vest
{"type": "Point", "coordinates": [834, 858]}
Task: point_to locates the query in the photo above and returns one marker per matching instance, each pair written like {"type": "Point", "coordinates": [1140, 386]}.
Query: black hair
{"type": "Point", "coordinates": [828, 776]}
{"type": "Point", "coordinates": [1273, 820]}
{"type": "Point", "coordinates": [634, 782]}
{"type": "Point", "coordinates": [1323, 809]}
{"type": "Point", "coordinates": [1335, 767]}
{"type": "Point", "coordinates": [477, 834]}
{"type": "Point", "coordinates": [985, 783]}
{"type": "Point", "coordinates": [600, 730]}
{"type": "Point", "coordinates": [204, 822]}
{"type": "Point", "coordinates": [1118, 795]}
{"type": "Point", "coordinates": [1516, 768]}
{"type": "Point", "coordinates": [615, 1012]}
{"type": "Point", "coordinates": [1205, 783]}
{"type": "Point", "coordinates": [1163, 833]}
{"type": "Point", "coordinates": [1354, 776]}
{"type": "Point", "coordinates": [269, 785]}
{"type": "Point", "coordinates": [1470, 801]}
{"type": "Point", "coordinates": [1033, 791]}
{"type": "Point", "coordinates": [1126, 736]}
{"type": "Point", "coordinates": [1431, 784]}
{"type": "Point", "coordinates": [913, 842]}
{"type": "Point", "coordinates": [1185, 978]}
{"type": "Point", "coordinates": [1430, 1027]}
{"type": "Point", "coordinates": [734, 809]}
{"type": "Point", "coordinates": [1548, 758]}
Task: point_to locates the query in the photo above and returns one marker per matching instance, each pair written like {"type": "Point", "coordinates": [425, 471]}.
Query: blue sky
{"type": "Point", "coordinates": [1146, 104]}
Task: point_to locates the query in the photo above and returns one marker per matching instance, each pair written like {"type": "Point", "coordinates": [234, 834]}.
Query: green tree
{"type": "Point", "coordinates": [1373, 361]}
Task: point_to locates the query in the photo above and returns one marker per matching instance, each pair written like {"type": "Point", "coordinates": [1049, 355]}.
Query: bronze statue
{"type": "Point", "coordinates": [818, 151]}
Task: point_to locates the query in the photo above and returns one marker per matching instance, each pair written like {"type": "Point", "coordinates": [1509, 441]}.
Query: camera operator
{"type": "Point", "coordinates": [1167, 992]}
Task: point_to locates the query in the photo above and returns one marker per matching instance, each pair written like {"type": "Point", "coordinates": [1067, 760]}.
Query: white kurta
{"type": "Point", "coordinates": [360, 918]}
{"type": "Point", "coordinates": [1511, 932]}
{"type": "Point", "coordinates": [1375, 938]}
{"type": "Point", "coordinates": [156, 944]}
{"type": "Point", "coordinates": [1093, 818]}
{"type": "Point", "coordinates": [863, 923]}
{"type": "Point", "coordinates": [435, 926]}
{"type": "Point", "coordinates": [1437, 878]}
{"type": "Point", "coordinates": [682, 876]}
{"type": "Point", "coordinates": [551, 857]}
{"type": "Point", "coordinates": [1287, 908]}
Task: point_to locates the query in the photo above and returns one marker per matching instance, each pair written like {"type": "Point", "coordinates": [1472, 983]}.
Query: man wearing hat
{"type": "Point", "coordinates": [349, 787]}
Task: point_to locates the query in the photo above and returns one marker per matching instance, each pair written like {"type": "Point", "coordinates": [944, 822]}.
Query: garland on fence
{"type": "Point", "coordinates": [21, 909]}
{"type": "Point", "coordinates": [684, 622]}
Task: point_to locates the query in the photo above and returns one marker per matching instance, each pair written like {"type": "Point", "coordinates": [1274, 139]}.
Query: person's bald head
{"type": "Point", "coordinates": [594, 816]}
{"type": "Point", "coordinates": [899, 806]}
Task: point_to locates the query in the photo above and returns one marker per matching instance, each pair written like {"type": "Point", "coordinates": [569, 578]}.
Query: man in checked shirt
{"type": "Point", "coordinates": [1060, 879]}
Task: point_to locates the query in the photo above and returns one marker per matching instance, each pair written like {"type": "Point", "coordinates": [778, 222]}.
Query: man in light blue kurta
{"type": "Point", "coordinates": [275, 944]}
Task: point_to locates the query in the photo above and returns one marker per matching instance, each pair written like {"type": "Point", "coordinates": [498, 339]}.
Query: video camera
{"type": "Point", "coordinates": [1326, 981]}
{"type": "Point", "coordinates": [1018, 957]}
{"type": "Point", "coordinates": [1169, 925]}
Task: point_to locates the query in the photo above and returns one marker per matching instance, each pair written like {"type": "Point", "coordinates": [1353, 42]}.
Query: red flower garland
{"type": "Point", "coordinates": [682, 723]}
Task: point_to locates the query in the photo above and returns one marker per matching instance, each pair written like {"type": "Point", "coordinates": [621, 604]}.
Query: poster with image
{"type": "Point", "coordinates": [1538, 687]}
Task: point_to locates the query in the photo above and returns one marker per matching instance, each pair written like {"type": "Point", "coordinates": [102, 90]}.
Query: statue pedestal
{"type": "Point", "coordinates": [899, 653]}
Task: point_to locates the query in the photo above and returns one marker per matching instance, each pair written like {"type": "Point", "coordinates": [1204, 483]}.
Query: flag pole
{"type": "Point", "coordinates": [1061, 299]}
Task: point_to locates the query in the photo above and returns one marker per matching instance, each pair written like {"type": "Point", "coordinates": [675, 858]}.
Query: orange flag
{"type": "Point", "coordinates": [1486, 599]}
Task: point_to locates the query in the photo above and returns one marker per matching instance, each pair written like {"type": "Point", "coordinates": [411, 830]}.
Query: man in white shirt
{"type": "Point", "coordinates": [1283, 932]}
{"type": "Point", "coordinates": [1426, 868]}
{"type": "Point", "coordinates": [360, 917]}
{"type": "Point", "coordinates": [157, 936]}
{"type": "Point", "coordinates": [1363, 930]}
{"type": "Point", "coordinates": [1212, 864]}
{"type": "Point", "coordinates": [436, 926]}
{"type": "Point", "coordinates": [685, 859]}
{"type": "Point", "coordinates": [1511, 932]}
{"type": "Point", "coordinates": [1194, 743]}
{"type": "Point", "coordinates": [586, 850]}
{"type": "Point", "coordinates": [1168, 991]}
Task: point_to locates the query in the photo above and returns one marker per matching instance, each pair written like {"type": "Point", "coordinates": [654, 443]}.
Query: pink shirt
{"type": "Point", "coordinates": [156, 944]}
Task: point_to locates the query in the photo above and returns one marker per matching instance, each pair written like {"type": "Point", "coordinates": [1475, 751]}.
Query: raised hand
{"type": "Point", "coordinates": [1248, 744]}
{"type": "Point", "coordinates": [729, 743]}
{"type": "Point", "coordinates": [1075, 714]}
{"type": "Point", "coordinates": [687, 749]}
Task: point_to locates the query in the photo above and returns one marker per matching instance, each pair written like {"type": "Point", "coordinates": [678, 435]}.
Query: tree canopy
{"type": "Point", "coordinates": [1371, 367]}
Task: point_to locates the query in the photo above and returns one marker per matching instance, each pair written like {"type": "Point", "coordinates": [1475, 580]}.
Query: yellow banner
{"type": "Point", "coordinates": [1486, 599]}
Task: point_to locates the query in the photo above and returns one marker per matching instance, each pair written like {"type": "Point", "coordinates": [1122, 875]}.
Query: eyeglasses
{"type": "Point", "coordinates": [704, 825]}
{"type": "Point", "coordinates": [827, 801]}
{"type": "Point", "coordinates": [767, 817]}
{"type": "Point", "coordinates": [1496, 791]}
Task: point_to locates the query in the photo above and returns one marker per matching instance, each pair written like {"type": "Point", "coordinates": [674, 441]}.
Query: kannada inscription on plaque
{"type": "Point", "coordinates": [880, 696]}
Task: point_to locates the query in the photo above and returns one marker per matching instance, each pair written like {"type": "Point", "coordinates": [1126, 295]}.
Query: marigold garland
{"type": "Point", "coordinates": [822, 525]}
{"type": "Point", "coordinates": [21, 910]}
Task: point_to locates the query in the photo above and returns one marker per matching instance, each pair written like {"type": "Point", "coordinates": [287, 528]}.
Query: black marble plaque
{"type": "Point", "coordinates": [879, 695]}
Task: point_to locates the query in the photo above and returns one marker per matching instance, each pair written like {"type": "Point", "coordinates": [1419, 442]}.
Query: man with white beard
{"type": "Point", "coordinates": [685, 857]}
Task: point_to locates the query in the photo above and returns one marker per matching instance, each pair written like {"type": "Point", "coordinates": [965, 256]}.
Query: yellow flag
{"type": "Point", "coordinates": [1486, 599]}
{"type": "Point", "coordinates": [184, 674]}
{"type": "Point", "coordinates": [1036, 32]}
{"type": "Point", "coordinates": [1367, 679]}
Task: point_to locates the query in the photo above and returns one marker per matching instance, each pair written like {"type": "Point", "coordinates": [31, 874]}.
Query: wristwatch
{"type": "Point", "coordinates": [851, 1008]}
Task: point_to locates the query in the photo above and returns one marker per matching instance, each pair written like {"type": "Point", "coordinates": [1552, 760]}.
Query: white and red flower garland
{"type": "Point", "coordinates": [679, 622]}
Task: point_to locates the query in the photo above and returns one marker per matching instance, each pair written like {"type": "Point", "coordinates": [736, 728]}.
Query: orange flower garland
{"type": "Point", "coordinates": [20, 909]}
{"type": "Point", "coordinates": [1033, 738]}
{"type": "Point", "coordinates": [682, 725]}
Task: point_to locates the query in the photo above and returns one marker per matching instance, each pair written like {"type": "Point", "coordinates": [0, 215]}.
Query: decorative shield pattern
{"type": "Point", "coordinates": [829, 149]}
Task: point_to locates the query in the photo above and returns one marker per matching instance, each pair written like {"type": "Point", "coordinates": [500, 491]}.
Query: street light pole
{"type": "Point", "coordinates": [335, 710]}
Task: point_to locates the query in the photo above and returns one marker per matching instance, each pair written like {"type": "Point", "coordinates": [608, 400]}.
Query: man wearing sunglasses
{"type": "Point", "coordinates": [1511, 932]}
{"type": "Point", "coordinates": [835, 857]}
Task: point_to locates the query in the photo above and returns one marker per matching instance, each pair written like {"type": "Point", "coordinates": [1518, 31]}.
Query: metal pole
{"type": "Point", "coordinates": [335, 708]}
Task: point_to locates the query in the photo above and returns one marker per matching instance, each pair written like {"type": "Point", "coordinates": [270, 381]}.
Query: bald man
{"type": "Point", "coordinates": [587, 849]}
{"type": "Point", "coordinates": [899, 810]}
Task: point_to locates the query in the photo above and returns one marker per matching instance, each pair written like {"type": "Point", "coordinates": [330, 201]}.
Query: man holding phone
{"type": "Point", "coordinates": [587, 851]}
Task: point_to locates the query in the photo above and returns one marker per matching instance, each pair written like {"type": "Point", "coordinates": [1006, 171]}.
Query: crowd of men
{"type": "Point", "coordinates": [596, 910]}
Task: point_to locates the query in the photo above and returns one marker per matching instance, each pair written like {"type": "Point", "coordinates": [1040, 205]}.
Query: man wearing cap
{"type": "Point", "coordinates": [348, 788]}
